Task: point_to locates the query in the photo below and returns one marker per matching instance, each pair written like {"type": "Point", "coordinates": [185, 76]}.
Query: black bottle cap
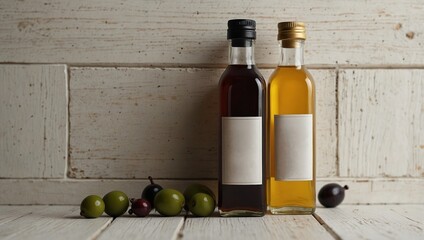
{"type": "Point", "coordinates": [241, 28]}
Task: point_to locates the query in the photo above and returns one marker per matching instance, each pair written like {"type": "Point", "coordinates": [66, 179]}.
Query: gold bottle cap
{"type": "Point", "coordinates": [291, 30]}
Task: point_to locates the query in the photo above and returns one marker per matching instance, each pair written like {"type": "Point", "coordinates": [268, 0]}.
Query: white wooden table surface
{"type": "Point", "coordinates": [343, 222]}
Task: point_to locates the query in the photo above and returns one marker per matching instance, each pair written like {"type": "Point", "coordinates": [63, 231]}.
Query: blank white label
{"type": "Point", "coordinates": [242, 150]}
{"type": "Point", "coordinates": [293, 147]}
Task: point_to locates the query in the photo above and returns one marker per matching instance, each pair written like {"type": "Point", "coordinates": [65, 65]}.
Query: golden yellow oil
{"type": "Point", "coordinates": [291, 91]}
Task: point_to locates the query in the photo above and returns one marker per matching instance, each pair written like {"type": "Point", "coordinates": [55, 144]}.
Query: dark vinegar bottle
{"type": "Point", "coordinates": [242, 190]}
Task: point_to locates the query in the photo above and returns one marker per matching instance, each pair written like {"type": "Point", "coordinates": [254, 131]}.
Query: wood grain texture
{"type": "Point", "coordinates": [33, 121]}
{"type": "Point", "coordinates": [345, 222]}
{"type": "Point", "coordinates": [152, 227]}
{"type": "Point", "coordinates": [136, 122]}
{"type": "Point", "coordinates": [375, 222]}
{"type": "Point", "coordinates": [267, 227]}
{"type": "Point", "coordinates": [132, 123]}
{"type": "Point", "coordinates": [11, 213]}
{"type": "Point", "coordinates": [381, 117]}
{"type": "Point", "coordinates": [70, 191]}
{"type": "Point", "coordinates": [54, 222]}
{"type": "Point", "coordinates": [326, 126]}
{"type": "Point", "coordinates": [193, 32]}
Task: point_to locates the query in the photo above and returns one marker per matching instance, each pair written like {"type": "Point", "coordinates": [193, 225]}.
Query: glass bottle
{"type": "Point", "coordinates": [242, 181]}
{"type": "Point", "coordinates": [291, 182]}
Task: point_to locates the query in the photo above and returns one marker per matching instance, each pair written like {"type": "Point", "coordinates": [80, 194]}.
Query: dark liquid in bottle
{"type": "Point", "coordinates": [242, 94]}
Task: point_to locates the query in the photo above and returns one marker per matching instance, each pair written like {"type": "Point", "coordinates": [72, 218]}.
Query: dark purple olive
{"type": "Point", "coordinates": [140, 207]}
{"type": "Point", "coordinates": [150, 192]}
{"type": "Point", "coordinates": [332, 195]}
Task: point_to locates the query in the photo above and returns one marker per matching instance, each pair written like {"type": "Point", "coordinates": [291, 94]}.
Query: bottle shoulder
{"type": "Point", "coordinates": [291, 74]}
{"type": "Point", "coordinates": [242, 73]}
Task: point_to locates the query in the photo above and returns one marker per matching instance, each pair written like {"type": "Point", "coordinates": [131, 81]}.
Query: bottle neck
{"type": "Point", "coordinates": [291, 53]}
{"type": "Point", "coordinates": [242, 52]}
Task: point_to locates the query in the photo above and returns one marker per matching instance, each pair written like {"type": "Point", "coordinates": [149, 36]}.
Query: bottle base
{"type": "Point", "coordinates": [240, 213]}
{"type": "Point", "coordinates": [292, 210]}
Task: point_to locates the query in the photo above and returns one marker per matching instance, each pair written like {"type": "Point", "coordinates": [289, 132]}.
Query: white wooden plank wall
{"type": "Point", "coordinates": [136, 94]}
{"type": "Point", "coordinates": [33, 121]}
{"type": "Point", "coordinates": [381, 123]}
{"type": "Point", "coordinates": [72, 191]}
{"type": "Point", "coordinates": [193, 32]}
{"type": "Point", "coordinates": [132, 123]}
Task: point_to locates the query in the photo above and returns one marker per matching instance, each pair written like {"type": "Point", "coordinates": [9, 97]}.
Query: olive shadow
{"type": "Point", "coordinates": [214, 215]}
{"type": "Point", "coordinates": [81, 217]}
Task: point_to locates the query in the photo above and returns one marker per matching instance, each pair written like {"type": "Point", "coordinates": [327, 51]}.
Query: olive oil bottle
{"type": "Point", "coordinates": [242, 180]}
{"type": "Point", "coordinates": [291, 181]}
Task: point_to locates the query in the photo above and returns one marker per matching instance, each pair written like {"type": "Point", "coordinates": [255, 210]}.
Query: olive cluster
{"type": "Point", "coordinates": [197, 199]}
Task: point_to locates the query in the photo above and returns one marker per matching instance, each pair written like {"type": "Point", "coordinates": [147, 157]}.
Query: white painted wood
{"type": "Point", "coordinates": [152, 227]}
{"type": "Point", "coordinates": [326, 126]}
{"type": "Point", "coordinates": [132, 123]}
{"type": "Point", "coordinates": [33, 121]}
{"type": "Point", "coordinates": [411, 212]}
{"type": "Point", "coordinates": [54, 222]}
{"type": "Point", "coordinates": [267, 227]}
{"type": "Point", "coordinates": [381, 123]}
{"type": "Point", "coordinates": [346, 222]}
{"type": "Point", "coordinates": [10, 213]}
{"type": "Point", "coordinates": [70, 191]}
{"type": "Point", "coordinates": [136, 122]}
{"type": "Point", "coordinates": [374, 222]}
{"type": "Point", "coordinates": [187, 32]}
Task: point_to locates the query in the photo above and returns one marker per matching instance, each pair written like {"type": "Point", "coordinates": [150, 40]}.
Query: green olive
{"type": "Point", "coordinates": [201, 205]}
{"type": "Point", "coordinates": [194, 188]}
{"type": "Point", "coordinates": [116, 203]}
{"type": "Point", "coordinates": [92, 206]}
{"type": "Point", "coordinates": [169, 202]}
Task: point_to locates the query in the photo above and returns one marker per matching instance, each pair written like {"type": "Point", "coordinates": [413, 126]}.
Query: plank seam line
{"type": "Point", "coordinates": [68, 122]}
{"type": "Point", "coordinates": [337, 122]}
{"type": "Point", "coordinates": [328, 228]}
{"type": "Point", "coordinates": [99, 231]}
{"type": "Point", "coordinates": [179, 231]}
{"type": "Point", "coordinates": [323, 179]}
{"type": "Point", "coordinates": [223, 66]}
{"type": "Point", "coordinates": [208, 66]}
